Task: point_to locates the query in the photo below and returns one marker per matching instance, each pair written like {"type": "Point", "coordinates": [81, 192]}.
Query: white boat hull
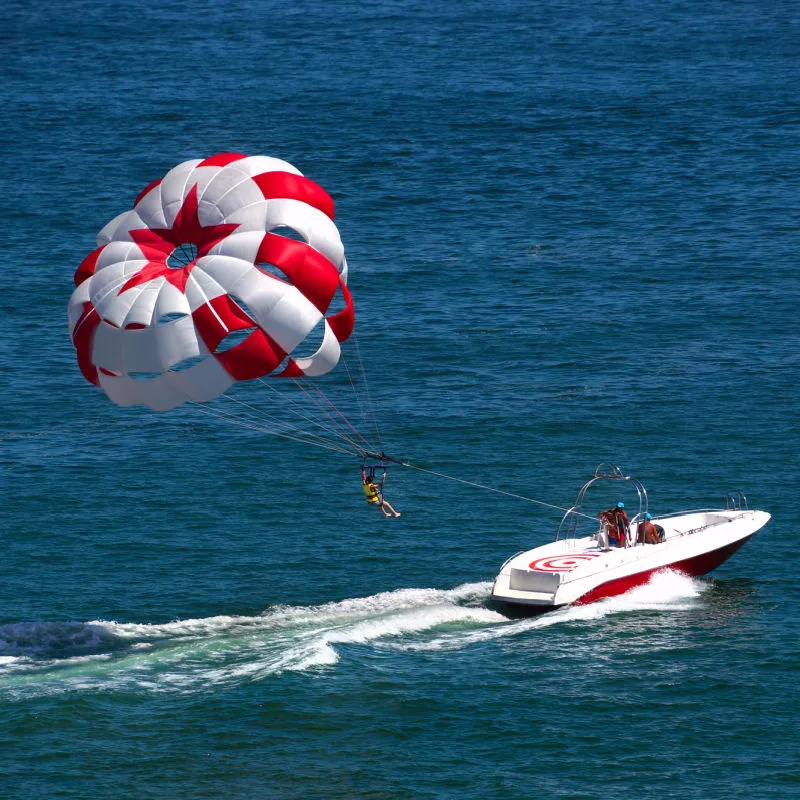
{"type": "Point", "coordinates": [578, 571]}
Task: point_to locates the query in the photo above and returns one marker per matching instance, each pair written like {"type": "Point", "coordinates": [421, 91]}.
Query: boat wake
{"type": "Point", "coordinates": [200, 655]}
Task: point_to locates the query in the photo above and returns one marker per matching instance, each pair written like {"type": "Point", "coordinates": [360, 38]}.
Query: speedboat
{"type": "Point", "coordinates": [583, 564]}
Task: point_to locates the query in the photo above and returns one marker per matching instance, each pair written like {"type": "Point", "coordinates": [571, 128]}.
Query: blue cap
{"type": "Point", "coordinates": [649, 515]}
{"type": "Point", "coordinates": [620, 505]}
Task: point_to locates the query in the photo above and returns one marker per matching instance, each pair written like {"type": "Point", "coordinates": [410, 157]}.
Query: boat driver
{"type": "Point", "coordinates": [617, 522]}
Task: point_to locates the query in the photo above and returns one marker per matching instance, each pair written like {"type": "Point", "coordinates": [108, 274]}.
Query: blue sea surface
{"type": "Point", "coordinates": [573, 236]}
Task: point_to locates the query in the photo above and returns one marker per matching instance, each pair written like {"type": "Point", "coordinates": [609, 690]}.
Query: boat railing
{"type": "Point", "coordinates": [568, 527]}
{"type": "Point", "coordinates": [510, 559]}
{"type": "Point", "coordinates": [719, 520]}
{"type": "Point", "coordinates": [604, 472]}
{"type": "Point", "coordinates": [736, 501]}
{"type": "Point", "coordinates": [709, 510]}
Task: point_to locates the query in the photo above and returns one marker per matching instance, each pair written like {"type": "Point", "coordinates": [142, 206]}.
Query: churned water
{"type": "Point", "coordinates": [572, 231]}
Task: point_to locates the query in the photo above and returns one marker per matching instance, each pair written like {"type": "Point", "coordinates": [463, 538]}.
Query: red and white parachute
{"type": "Point", "coordinates": [181, 298]}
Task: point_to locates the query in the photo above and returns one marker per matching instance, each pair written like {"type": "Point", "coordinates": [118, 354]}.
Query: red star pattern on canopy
{"type": "Point", "coordinates": [157, 244]}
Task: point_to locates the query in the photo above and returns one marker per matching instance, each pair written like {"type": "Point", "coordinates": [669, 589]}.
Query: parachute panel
{"type": "Point", "coordinates": [240, 245]}
{"type": "Point", "coordinates": [140, 314]}
{"type": "Point", "coordinates": [150, 208]}
{"type": "Point", "coordinates": [203, 382]}
{"type": "Point", "coordinates": [241, 195]}
{"type": "Point", "coordinates": [117, 229]}
{"type": "Point", "coordinates": [170, 302]}
{"type": "Point", "coordinates": [175, 187]}
{"type": "Point", "coordinates": [316, 228]}
{"type": "Point", "coordinates": [289, 321]}
{"type": "Point", "coordinates": [260, 293]}
{"type": "Point", "coordinates": [325, 359]}
{"type": "Point", "coordinates": [119, 253]}
{"type": "Point", "coordinates": [258, 165]}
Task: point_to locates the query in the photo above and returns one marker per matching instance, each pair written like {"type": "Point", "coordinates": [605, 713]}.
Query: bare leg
{"type": "Point", "coordinates": [386, 505]}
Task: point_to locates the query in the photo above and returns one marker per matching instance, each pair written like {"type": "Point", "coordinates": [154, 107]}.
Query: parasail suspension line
{"type": "Point", "coordinates": [312, 392]}
{"type": "Point", "coordinates": [368, 398]}
{"type": "Point", "coordinates": [280, 426]}
{"type": "Point", "coordinates": [293, 407]}
{"type": "Point", "coordinates": [253, 425]}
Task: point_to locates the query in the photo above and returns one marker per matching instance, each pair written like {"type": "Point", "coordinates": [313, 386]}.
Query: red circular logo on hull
{"type": "Point", "coordinates": [561, 563]}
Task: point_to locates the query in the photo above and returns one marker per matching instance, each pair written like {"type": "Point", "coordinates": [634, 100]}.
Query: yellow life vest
{"type": "Point", "coordinates": [373, 492]}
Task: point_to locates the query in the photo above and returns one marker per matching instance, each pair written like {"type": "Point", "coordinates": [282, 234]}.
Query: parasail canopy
{"type": "Point", "coordinates": [220, 272]}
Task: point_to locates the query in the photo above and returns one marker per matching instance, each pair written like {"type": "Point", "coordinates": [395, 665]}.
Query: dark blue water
{"type": "Point", "coordinates": [572, 232]}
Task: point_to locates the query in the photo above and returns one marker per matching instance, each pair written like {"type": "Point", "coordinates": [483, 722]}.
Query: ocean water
{"type": "Point", "coordinates": [573, 234]}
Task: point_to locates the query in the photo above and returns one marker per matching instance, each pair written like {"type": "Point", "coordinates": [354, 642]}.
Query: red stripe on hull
{"type": "Point", "coordinates": [697, 565]}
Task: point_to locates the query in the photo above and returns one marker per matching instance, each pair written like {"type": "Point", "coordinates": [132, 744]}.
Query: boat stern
{"type": "Point", "coordinates": [538, 578]}
{"type": "Point", "coordinates": [520, 586]}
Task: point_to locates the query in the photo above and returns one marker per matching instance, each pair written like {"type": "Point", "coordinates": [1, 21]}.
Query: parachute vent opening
{"type": "Point", "coordinates": [311, 343]}
{"type": "Point", "coordinates": [243, 306]}
{"type": "Point", "coordinates": [288, 233]}
{"type": "Point", "coordinates": [234, 338]}
{"type": "Point", "coordinates": [274, 272]}
{"type": "Point", "coordinates": [182, 256]}
{"type": "Point", "coordinates": [187, 363]}
{"type": "Point", "coordinates": [144, 376]}
{"type": "Point", "coordinates": [167, 318]}
{"type": "Point", "coordinates": [338, 303]}
{"type": "Point", "coordinates": [280, 368]}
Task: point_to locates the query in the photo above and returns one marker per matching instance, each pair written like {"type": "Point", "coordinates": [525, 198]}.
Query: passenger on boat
{"type": "Point", "coordinates": [621, 524]}
{"type": "Point", "coordinates": [374, 491]}
{"type": "Point", "coordinates": [617, 522]}
{"type": "Point", "coordinates": [648, 532]}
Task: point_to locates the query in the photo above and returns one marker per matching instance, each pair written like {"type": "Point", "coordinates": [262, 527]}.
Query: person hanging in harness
{"type": "Point", "coordinates": [373, 489]}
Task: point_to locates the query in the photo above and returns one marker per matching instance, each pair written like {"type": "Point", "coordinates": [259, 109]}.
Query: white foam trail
{"type": "Point", "coordinates": [201, 654]}
{"type": "Point", "coordinates": [190, 655]}
{"type": "Point", "coordinates": [280, 617]}
{"type": "Point", "coordinates": [667, 590]}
